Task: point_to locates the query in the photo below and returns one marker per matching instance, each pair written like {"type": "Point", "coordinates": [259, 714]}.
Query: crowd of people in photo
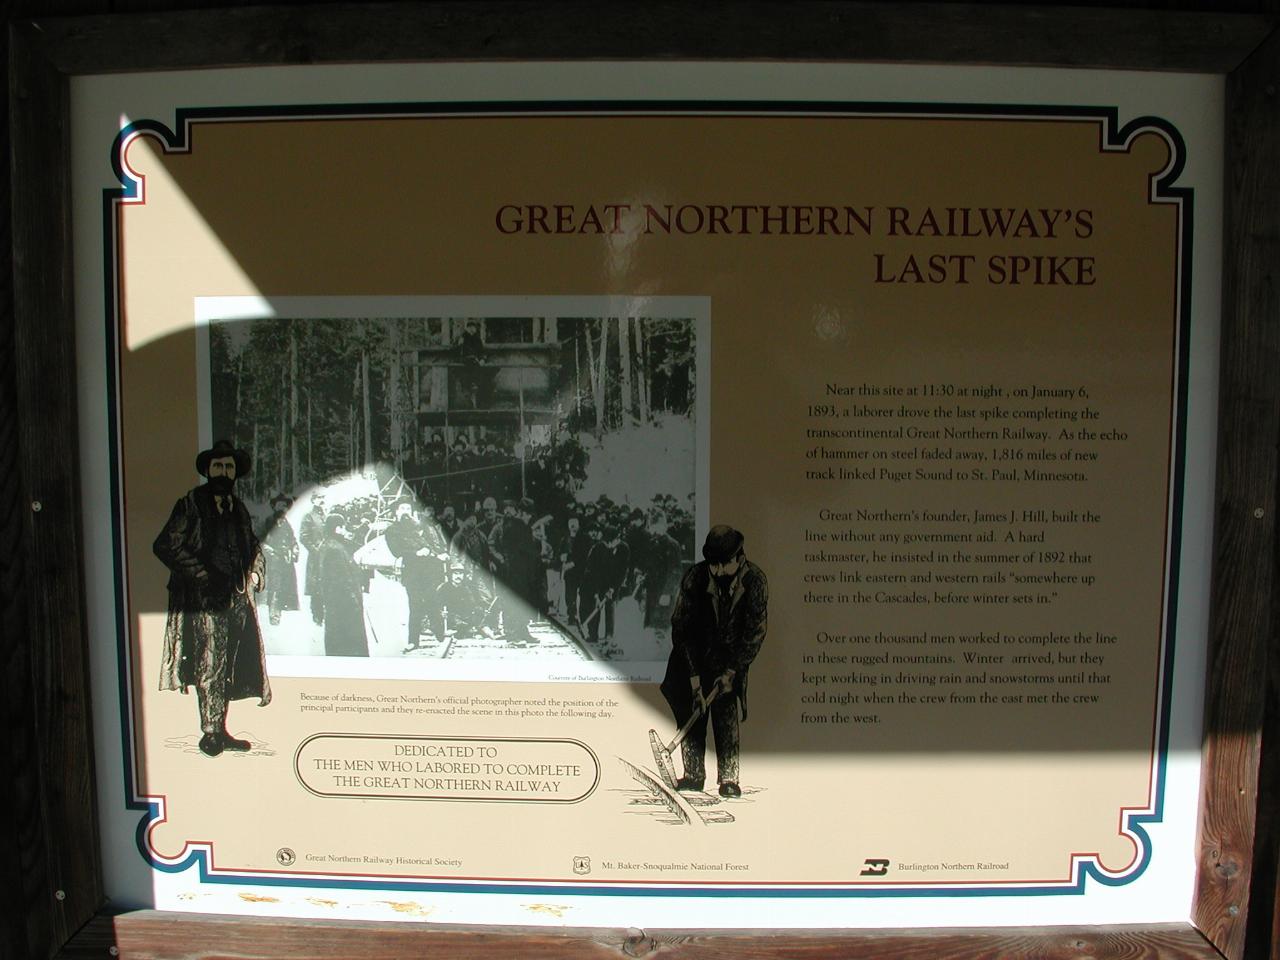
{"type": "Point", "coordinates": [469, 469]}
{"type": "Point", "coordinates": [475, 558]}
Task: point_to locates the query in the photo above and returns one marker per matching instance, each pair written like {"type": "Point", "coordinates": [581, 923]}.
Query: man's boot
{"type": "Point", "coordinates": [231, 743]}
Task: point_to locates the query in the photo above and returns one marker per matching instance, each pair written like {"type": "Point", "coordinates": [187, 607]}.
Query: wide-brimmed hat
{"type": "Point", "coordinates": [722, 544]}
{"type": "Point", "coordinates": [279, 497]}
{"type": "Point", "coordinates": [220, 449]}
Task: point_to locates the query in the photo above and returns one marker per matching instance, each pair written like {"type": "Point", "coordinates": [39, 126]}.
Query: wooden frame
{"type": "Point", "coordinates": [50, 842]}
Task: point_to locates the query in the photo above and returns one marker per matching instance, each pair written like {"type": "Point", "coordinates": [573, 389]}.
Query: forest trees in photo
{"type": "Point", "coordinates": [313, 399]}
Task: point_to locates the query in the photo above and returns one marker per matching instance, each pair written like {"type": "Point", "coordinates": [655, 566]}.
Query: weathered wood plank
{"type": "Point", "coordinates": [812, 30]}
{"type": "Point", "coordinates": [56, 825]}
{"type": "Point", "coordinates": [1241, 628]}
{"type": "Point", "coordinates": [20, 857]}
{"type": "Point", "coordinates": [152, 935]}
{"type": "Point", "coordinates": [43, 691]}
{"type": "Point", "coordinates": [1263, 922]}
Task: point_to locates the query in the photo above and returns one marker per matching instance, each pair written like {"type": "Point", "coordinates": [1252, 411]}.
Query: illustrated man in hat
{"type": "Point", "coordinates": [717, 627]}
{"type": "Point", "coordinates": [211, 637]}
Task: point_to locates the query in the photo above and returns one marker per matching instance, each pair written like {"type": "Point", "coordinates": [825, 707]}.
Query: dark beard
{"type": "Point", "coordinates": [723, 584]}
{"type": "Point", "coordinates": [221, 486]}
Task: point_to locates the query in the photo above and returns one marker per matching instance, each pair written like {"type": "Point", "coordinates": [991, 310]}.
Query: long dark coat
{"type": "Point", "coordinates": [661, 568]}
{"type": "Point", "coordinates": [405, 537]}
{"type": "Point", "coordinates": [711, 633]}
{"type": "Point", "coordinates": [212, 614]}
{"type": "Point", "coordinates": [520, 570]}
{"type": "Point", "coordinates": [280, 547]}
{"type": "Point", "coordinates": [311, 533]}
{"type": "Point", "coordinates": [471, 544]}
{"type": "Point", "coordinates": [606, 569]}
{"type": "Point", "coordinates": [340, 594]}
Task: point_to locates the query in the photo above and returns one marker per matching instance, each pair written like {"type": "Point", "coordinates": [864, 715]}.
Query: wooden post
{"type": "Point", "coordinates": [1242, 638]}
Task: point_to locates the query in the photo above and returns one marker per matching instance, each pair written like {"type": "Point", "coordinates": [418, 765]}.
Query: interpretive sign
{"type": "Point", "coordinates": [469, 459]}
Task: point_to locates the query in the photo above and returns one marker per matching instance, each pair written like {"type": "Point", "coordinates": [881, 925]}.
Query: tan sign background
{"type": "Point", "coordinates": [967, 792]}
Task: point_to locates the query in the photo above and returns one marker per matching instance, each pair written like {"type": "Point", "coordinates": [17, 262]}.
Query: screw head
{"type": "Point", "coordinates": [36, 506]}
{"type": "Point", "coordinates": [1233, 910]}
{"type": "Point", "coordinates": [1259, 513]}
{"type": "Point", "coordinates": [59, 894]}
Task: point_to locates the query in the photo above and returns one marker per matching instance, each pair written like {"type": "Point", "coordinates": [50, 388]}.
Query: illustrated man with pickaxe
{"type": "Point", "coordinates": [717, 627]}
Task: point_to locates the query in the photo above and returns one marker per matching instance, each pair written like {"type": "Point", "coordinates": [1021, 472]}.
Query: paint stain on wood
{"type": "Point", "coordinates": [322, 903]}
{"type": "Point", "coordinates": [254, 898]}
{"type": "Point", "coordinates": [408, 907]}
{"type": "Point", "coordinates": [550, 909]}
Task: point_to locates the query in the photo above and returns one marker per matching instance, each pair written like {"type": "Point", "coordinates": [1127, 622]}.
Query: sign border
{"type": "Point", "coordinates": [1112, 137]}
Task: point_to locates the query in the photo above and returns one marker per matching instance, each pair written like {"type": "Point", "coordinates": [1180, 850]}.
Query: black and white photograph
{"type": "Point", "coordinates": [471, 483]}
